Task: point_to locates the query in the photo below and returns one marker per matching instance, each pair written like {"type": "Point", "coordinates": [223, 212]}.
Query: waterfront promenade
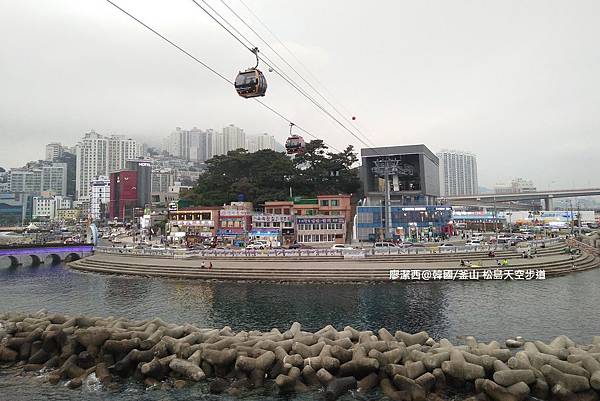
{"type": "Point", "coordinates": [333, 268]}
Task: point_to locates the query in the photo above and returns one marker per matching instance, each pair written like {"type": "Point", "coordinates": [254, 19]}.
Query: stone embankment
{"type": "Point", "coordinates": [402, 366]}
{"type": "Point", "coordinates": [551, 259]}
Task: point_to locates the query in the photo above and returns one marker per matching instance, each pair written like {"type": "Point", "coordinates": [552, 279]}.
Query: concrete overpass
{"type": "Point", "coordinates": [546, 196]}
{"type": "Point", "coordinates": [36, 255]}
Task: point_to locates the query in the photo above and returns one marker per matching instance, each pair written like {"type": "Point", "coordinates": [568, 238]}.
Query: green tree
{"type": "Point", "coordinates": [268, 175]}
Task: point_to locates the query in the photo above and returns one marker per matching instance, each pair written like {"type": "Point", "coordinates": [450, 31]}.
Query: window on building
{"type": "Point", "coordinates": [286, 211]}
{"type": "Point", "coordinates": [325, 202]}
{"type": "Point", "coordinates": [335, 202]}
{"type": "Point", "coordinates": [276, 224]}
{"type": "Point", "coordinates": [277, 211]}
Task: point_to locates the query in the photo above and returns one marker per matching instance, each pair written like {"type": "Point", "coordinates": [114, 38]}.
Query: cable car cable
{"type": "Point", "coordinates": [295, 86]}
{"type": "Point", "coordinates": [296, 71]}
{"type": "Point", "coordinates": [223, 77]}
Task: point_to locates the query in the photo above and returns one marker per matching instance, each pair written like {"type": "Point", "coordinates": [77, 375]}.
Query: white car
{"type": "Point", "coordinates": [342, 247]}
{"type": "Point", "coordinates": [257, 245]}
{"type": "Point", "coordinates": [447, 245]}
{"type": "Point", "coordinates": [473, 242]}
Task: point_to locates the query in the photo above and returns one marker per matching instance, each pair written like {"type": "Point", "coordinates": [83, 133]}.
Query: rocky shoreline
{"type": "Point", "coordinates": [404, 366]}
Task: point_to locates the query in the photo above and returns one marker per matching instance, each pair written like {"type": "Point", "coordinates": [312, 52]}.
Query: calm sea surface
{"type": "Point", "coordinates": [489, 310]}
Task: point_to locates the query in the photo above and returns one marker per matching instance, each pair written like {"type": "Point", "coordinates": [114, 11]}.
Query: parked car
{"type": "Point", "coordinates": [342, 247]}
{"type": "Point", "coordinates": [257, 245]}
{"type": "Point", "coordinates": [473, 242]}
{"type": "Point", "coordinates": [447, 245]}
{"type": "Point", "coordinates": [384, 245]}
{"type": "Point", "coordinates": [299, 246]}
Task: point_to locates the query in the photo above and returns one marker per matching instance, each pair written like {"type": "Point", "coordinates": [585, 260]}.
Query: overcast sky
{"type": "Point", "coordinates": [515, 82]}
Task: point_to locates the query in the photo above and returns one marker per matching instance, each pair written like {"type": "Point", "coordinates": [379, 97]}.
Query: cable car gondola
{"type": "Point", "coordinates": [252, 82]}
{"type": "Point", "coordinates": [295, 143]}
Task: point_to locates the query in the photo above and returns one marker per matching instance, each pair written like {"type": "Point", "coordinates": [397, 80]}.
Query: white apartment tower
{"type": "Point", "coordinates": [99, 197]}
{"type": "Point", "coordinates": [54, 150]}
{"type": "Point", "coordinates": [234, 138]}
{"type": "Point", "coordinates": [265, 141]}
{"type": "Point", "coordinates": [98, 155]}
{"type": "Point", "coordinates": [458, 173]}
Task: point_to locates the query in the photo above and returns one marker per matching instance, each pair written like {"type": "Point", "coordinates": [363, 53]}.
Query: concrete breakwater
{"type": "Point", "coordinates": [402, 366]}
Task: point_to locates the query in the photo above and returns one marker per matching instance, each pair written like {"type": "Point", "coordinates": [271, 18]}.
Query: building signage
{"type": "Point", "coordinates": [271, 218]}
{"type": "Point", "coordinates": [201, 223]}
{"type": "Point", "coordinates": [319, 220]}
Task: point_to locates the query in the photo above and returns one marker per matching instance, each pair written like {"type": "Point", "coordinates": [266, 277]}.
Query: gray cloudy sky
{"type": "Point", "coordinates": [515, 82]}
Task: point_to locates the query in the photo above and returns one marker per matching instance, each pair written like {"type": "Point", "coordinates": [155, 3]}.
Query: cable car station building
{"type": "Point", "coordinates": [401, 185]}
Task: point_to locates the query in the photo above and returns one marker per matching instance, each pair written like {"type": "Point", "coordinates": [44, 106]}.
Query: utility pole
{"type": "Point", "coordinates": [495, 220]}
{"type": "Point", "coordinates": [571, 214]}
{"type": "Point", "coordinates": [386, 168]}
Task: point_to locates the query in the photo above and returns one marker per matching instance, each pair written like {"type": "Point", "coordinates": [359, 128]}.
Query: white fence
{"type": "Point", "coordinates": [345, 253]}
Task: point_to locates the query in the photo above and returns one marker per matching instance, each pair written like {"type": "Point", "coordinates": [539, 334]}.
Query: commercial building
{"type": "Point", "coordinates": [194, 224]}
{"type": "Point", "coordinates": [72, 214]}
{"type": "Point", "coordinates": [13, 209]}
{"type": "Point", "coordinates": [99, 199]}
{"type": "Point", "coordinates": [458, 173]}
{"type": "Point", "coordinates": [320, 229]}
{"type": "Point", "coordinates": [402, 186]}
{"type": "Point", "coordinates": [123, 195]}
{"type": "Point", "coordinates": [235, 222]}
{"type": "Point", "coordinates": [98, 156]}
{"type": "Point", "coordinates": [407, 222]}
{"type": "Point", "coordinates": [143, 169]}
{"type": "Point", "coordinates": [517, 185]}
{"type": "Point", "coordinates": [410, 172]}
{"type": "Point", "coordinates": [274, 229]}
{"type": "Point", "coordinates": [47, 207]}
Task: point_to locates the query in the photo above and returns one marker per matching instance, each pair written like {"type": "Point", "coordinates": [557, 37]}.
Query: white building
{"type": "Point", "coordinates": [162, 179]}
{"type": "Point", "coordinates": [25, 180]}
{"type": "Point", "coordinates": [194, 145]}
{"type": "Point", "coordinates": [54, 179]}
{"type": "Point", "coordinates": [98, 156]}
{"type": "Point", "coordinates": [260, 142]}
{"type": "Point", "coordinates": [458, 173]}
{"type": "Point", "coordinates": [47, 207]}
{"type": "Point", "coordinates": [517, 185]}
{"type": "Point", "coordinates": [99, 197]}
{"type": "Point", "coordinates": [234, 137]}
{"type": "Point", "coordinates": [54, 150]}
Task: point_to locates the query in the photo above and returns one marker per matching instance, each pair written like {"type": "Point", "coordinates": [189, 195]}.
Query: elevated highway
{"type": "Point", "coordinates": [546, 196]}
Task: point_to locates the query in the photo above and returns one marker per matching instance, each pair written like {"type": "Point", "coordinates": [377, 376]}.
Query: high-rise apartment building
{"type": "Point", "coordinates": [54, 179]}
{"type": "Point", "coordinates": [99, 198]}
{"type": "Point", "coordinates": [458, 173]}
{"type": "Point", "coordinates": [193, 145]}
{"type": "Point", "coordinates": [99, 155]}
{"type": "Point", "coordinates": [265, 141]}
{"type": "Point", "coordinates": [25, 180]}
{"type": "Point", "coordinates": [54, 151]}
{"type": "Point", "coordinates": [234, 137]}
{"type": "Point", "coordinates": [42, 176]}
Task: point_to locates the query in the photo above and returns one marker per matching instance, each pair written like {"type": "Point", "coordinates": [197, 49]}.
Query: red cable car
{"type": "Point", "coordinates": [295, 143]}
